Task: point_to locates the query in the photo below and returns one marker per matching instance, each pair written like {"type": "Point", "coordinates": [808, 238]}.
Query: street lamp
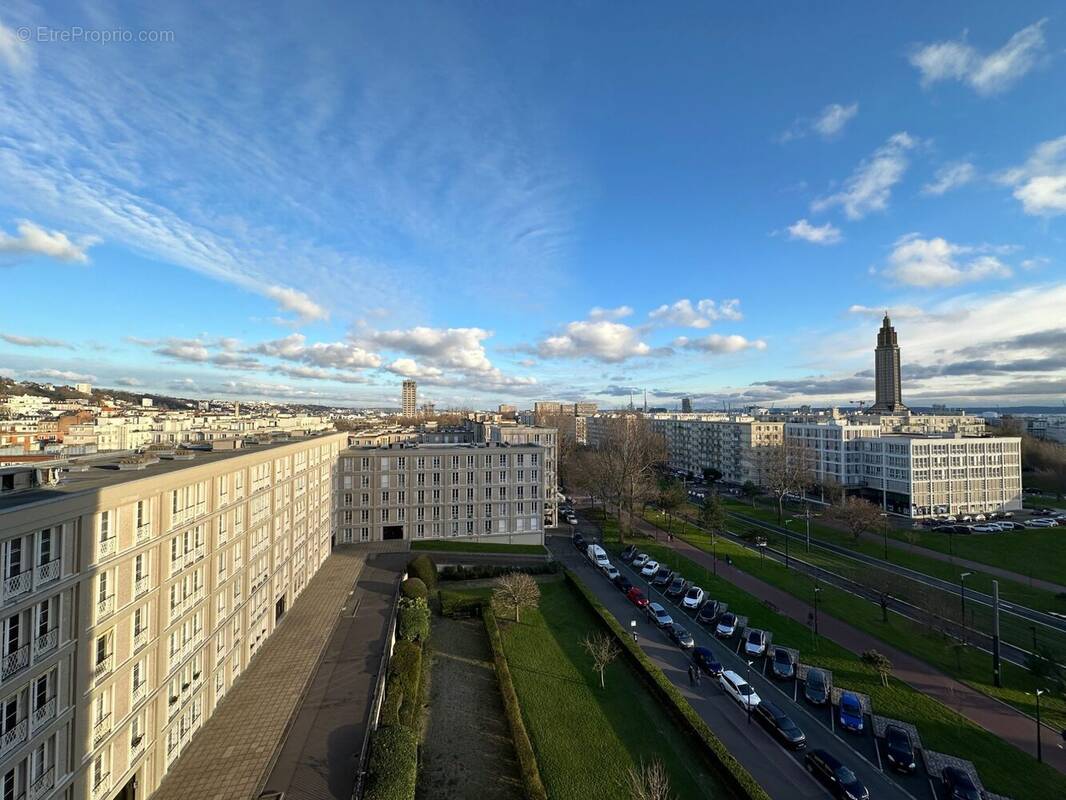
{"type": "Point", "coordinates": [884, 531]}
{"type": "Point", "coordinates": [962, 598]}
{"type": "Point", "coordinates": [633, 628]}
{"type": "Point", "coordinates": [748, 703]}
{"type": "Point", "coordinates": [787, 537]}
{"type": "Point", "coordinates": [817, 590]}
{"type": "Point", "coordinates": [1039, 743]}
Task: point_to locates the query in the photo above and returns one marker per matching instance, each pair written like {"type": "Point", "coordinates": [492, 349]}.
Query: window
{"type": "Point", "coordinates": [45, 546]}
{"type": "Point", "coordinates": [105, 525]}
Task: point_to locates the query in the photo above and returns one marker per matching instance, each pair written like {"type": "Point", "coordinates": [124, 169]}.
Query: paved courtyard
{"type": "Point", "coordinates": [229, 757]}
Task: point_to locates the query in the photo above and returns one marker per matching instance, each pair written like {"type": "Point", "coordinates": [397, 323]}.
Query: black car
{"type": "Point", "coordinates": [678, 586]}
{"type": "Point", "coordinates": [629, 553]}
{"type": "Point", "coordinates": [623, 583]}
{"type": "Point", "coordinates": [579, 541]}
{"type": "Point", "coordinates": [780, 724]}
{"type": "Point", "coordinates": [959, 785]}
{"type": "Point", "coordinates": [899, 753]}
{"type": "Point", "coordinates": [840, 780]}
{"type": "Point", "coordinates": [681, 637]}
{"type": "Point", "coordinates": [707, 663]}
{"type": "Point", "coordinates": [782, 666]}
{"type": "Point", "coordinates": [816, 687]}
{"type": "Point", "coordinates": [708, 612]}
{"type": "Point", "coordinates": [663, 577]}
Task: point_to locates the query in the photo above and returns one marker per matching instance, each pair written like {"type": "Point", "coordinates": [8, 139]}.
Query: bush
{"type": "Point", "coordinates": [413, 589]}
{"type": "Point", "coordinates": [458, 604]}
{"type": "Point", "coordinates": [423, 568]}
{"type": "Point", "coordinates": [475, 572]}
{"type": "Point", "coordinates": [392, 771]}
{"type": "Point", "coordinates": [403, 687]}
{"type": "Point", "coordinates": [527, 758]}
{"type": "Point", "coordinates": [412, 620]}
{"type": "Point", "coordinates": [728, 766]}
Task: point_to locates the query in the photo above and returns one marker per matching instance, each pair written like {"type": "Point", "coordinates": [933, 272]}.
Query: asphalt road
{"type": "Point", "coordinates": [778, 770]}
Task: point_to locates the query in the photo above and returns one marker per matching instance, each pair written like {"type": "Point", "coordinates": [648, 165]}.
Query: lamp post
{"type": "Point", "coordinates": [884, 531]}
{"type": "Point", "coordinates": [787, 537]}
{"type": "Point", "coordinates": [633, 628]}
{"type": "Point", "coordinates": [962, 599]}
{"type": "Point", "coordinates": [1039, 743]}
{"type": "Point", "coordinates": [748, 703]}
{"type": "Point", "coordinates": [817, 590]}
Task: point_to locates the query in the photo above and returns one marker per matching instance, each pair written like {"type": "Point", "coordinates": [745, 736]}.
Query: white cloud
{"type": "Point", "coordinates": [701, 314]}
{"type": "Point", "coordinates": [1040, 183]}
{"type": "Point", "coordinates": [870, 185]}
{"type": "Point", "coordinates": [34, 341]}
{"type": "Point", "coordinates": [896, 312]}
{"type": "Point", "coordinates": [949, 177]}
{"type": "Point", "coordinates": [937, 262]}
{"type": "Point", "coordinates": [601, 340]}
{"type": "Point", "coordinates": [14, 53]}
{"type": "Point", "coordinates": [32, 240]}
{"type": "Point", "coordinates": [986, 74]}
{"type": "Point", "coordinates": [610, 313]}
{"type": "Point", "coordinates": [336, 355]}
{"type": "Point", "coordinates": [833, 119]}
{"type": "Point", "coordinates": [409, 368]}
{"type": "Point", "coordinates": [315, 374]}
{"type": "Point", "coordinates": [60, 375]}
{"type": "Point", "coordinates": [458, 348]}
{"type": "Point", "coordinates": [129, 382]}
{"type": "Point", "coordinates": [297, 302]}
{"type": "Point", "coordinates": [816, 234]}
{"type": "Point", "coordinates": [718, 344]}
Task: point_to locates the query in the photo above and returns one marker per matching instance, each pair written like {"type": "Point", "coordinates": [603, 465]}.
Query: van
{"type": "Point", "coordinates": [597, 555]}
{"type": "Point", "coordinates": [739, 689]}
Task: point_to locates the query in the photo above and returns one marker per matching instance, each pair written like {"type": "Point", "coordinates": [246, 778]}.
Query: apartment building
{"type": "Point", "coordinates": [505, 432]}
{"type": "Point", "coordinates": [736, 445]}
{"type": "Point", "coordinates": [834, 448]}
{"type": "Point", "coordinates": [409, 398]}
{"type": "Point", "coordinates": [483, 491]}
{"type": "Point", "coordinates": [135, 590]}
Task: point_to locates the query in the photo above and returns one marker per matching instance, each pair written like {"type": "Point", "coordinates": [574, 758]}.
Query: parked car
{"type": "Point", "coordinates": [636, 597]}
{"type": "Point", "coordinates": [840, 780]}
{"type": "Point", "coordinates": [629, 553]}
{"type": "Point", "coordinates": [781, 725]}
{"type": "Point", "coordinates": [708, 612]}
{"type": "Point", "coordinates": [639, 560]}
{"type": "Point", "coordinates": [571, 520]}
{"type": "Point", "coordinates": [727, 625]}
{"type": "Point", "coordinates": [579, 541]}
{"type": "Point", "coordinates": [622, 582]}
{"type": "Point", "coordinates": [985, 529]}
{"type": "Point", "coordinates": [739, 689]}
{"type": "Point", "coordinates": [1042, 523]}
{"type": "Point", "coordinates": [693, 597]}
{"type": "Point", "coordinates": [649, 568]}
{"type": "Point", "coordinates": [959, 785]}
{"type": "Point", "coordinates": [782, 666]}
{"type": "Point", "coordinates": [663, 577]}
{"type": "Point", "coordinates": [681, 637]}
{"type": "Point", "coordinates": [756, 643]}
{"type": "Point", "coordinates": [597, 555]}
{"type": "Point", "coordinates": [705, 660]}
{"type": "Point", "coordinates": [851, 716]}
{"type": "Point", "coordinates": [816, 687]}
{"type": "Point", "coordinates": [677, 586]}
{"type": "Point", "coordinates": [659, 615]}
{"type": "Point", "coordinates": [610, 571]}
{"type": "Point", "coordinates": [899, 752]}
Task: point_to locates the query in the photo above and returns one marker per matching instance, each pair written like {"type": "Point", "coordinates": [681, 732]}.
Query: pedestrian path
{"type": "Point", "coordinates": [230, 756]}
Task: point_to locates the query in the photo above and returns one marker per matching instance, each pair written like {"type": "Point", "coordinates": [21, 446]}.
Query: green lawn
{"type": "Point", "coordinates": [585, 737]}
{"type": "Point", "coordinates": [479, 547]}
{"type": "Point", "coordinates": [1004, 769]}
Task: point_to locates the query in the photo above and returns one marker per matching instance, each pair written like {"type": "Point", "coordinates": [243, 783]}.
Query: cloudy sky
{"type": "Point", "coordinates": [514, 201]}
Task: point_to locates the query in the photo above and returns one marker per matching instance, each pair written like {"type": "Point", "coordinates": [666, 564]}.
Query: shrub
{"type": "Point", "coordinates": [527, 758]}
{"type": "Point", "coordinates": [402, 688]}
{"type": "Point", "coordinates": [412, 620]}
{"type": "Point", "coordinates": [458, 604]}
{"type": "Point", "coordinates": [423, 568]}
{"type": "Point", "coordinates": [473, 572]}
{"type": "Point", "coordinates": [393, 766]}
{"type": "Point", "coordinates": [414, 588]}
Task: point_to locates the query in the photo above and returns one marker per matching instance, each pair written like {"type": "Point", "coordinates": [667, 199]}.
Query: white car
{"type": "Point", "coordinates": [659, 615]}
{"type": "Point", "coordinates": [985, 529]}
{"type": "Point", "coordinates": [598, 556]}
{"type": "Point", "coordinates": [739, 689]}
{"type": "Point", "coordinates": [1042, 523]}
{"type": "Point", "coordinates": [610, 571]}
{"type": "Point", "coordinates": [727, 625]}
{"type": "Point", "coordinates": [650, 568]}
{"type": "Point", "coordinates": [755, 645]}
{"type": "Point", "coordinates": [693, 598]}
{"type": "Point", "coordinates": [571, 520]}
{"type": "Point", "coordinates": [639, 561]}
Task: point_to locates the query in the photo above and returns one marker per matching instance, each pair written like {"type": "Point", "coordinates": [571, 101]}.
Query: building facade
{"type": "Point", "coordinates": [409, 400]}
{"type": "Point", "coordinates": [888, 391]}
{"type": "Point", "coordinates": [490, 491]}
{"type": "Point", "coordinates": [134, 595]}
{"type": "Point", "coordinates": [834, 448]}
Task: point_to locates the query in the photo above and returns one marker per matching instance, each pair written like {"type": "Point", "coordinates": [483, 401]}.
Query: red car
{"type": "Point", "coordinates": [637, 597]}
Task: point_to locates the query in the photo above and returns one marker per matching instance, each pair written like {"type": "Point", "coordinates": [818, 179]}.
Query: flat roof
{"type": "Point", "coordinates": [98, 476]}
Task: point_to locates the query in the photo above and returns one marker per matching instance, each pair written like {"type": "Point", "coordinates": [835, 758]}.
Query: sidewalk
{"type": "Point", "coordinates": [228, 758]}
{"type": "Point", "coordinates": [992, 715]}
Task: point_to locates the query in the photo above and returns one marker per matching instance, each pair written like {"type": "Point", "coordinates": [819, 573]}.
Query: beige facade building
{"type": "Point", "coordinates": [490, 491]}
{"type": "Point", "coordinates": [409, 399]}
{"type": "Point", "coordinates": [737, 446]}
{"type": "Point", "coordinates": [134, 595]}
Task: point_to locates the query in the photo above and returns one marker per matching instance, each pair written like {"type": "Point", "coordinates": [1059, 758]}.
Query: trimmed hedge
{"type": "Point", "coordinates": [527, 759]}
{"type": "Point", "coordinates": [465, 572]}
{"type": "Point", "coordinates": [403, 687]}
{"type": "Point", "coordinates": [731, 770]}
{"type": "Point", "coordinates": [458, 604]}
{"type": "Point", "coordinates": [425, 569]}
{"type": "Point", "coordinates": [414, 588]}
{"type": "Point", "coordinates": [412, 620]}
{"type": "Point", "coordinates": [393, 768]}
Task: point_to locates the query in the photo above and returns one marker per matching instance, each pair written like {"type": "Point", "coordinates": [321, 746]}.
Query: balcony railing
{"type": "Point", "coordinates": [105, 607]}
{"type": "Point", "coordinates": [43, 784]}
{"type": "Point", "coordinates": [14, 662]}
{"type": "Point", "coordinates": [45, 643]}
{"type": "Point", "coordinates": [140, 639]}
{"type": "Point", "coordinates": [137, 747]}
{"type": "Point", "coordinates": [102, 786]}
{"type": "Point", "coordinates": [140, 691]}
{"type": "Point", "coordinates": [144, 533]}
{"type": "Point", "coordinates": [141, 586]}
{"type": "Point", "coordinates": [17, 585]}
{"type": "Point", "coordinates": [15, 736]}
{"type": "Point", "coordinates": [105, 548]}
{"type": "Point", "coordinates": [103, 667]}
{"type": "Point", "coordinates": [195, 554]}
{"type": "Point", "coordinates": [101, 729]}
{"type": "Point", "coordinates": [47, 572]}
{"type": "Point", "coordinates": [43, 714]}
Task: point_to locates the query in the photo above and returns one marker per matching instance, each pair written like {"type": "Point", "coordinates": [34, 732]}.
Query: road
{"type": "Point", "coordinates": [778, 770]}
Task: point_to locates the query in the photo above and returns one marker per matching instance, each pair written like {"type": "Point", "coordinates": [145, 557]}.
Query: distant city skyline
{"type": "Point", "coordinates": [513, 204]}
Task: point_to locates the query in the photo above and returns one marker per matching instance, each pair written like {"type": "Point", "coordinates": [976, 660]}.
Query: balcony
{"type": "Point", "coordinates": [14, 662]}
{"type": "Point", "coordinates": [105, 607]}
{"type": "Point", "coordinates": [43, 714]}
{"type": "Point", "coordinates": [101, 729]}
{"type": "Point", "coordinates": [106, 548]}
{"type": "Point", "coordinates": [42, 785]}
{"type": "Point", "coordinates": [17, 585]}
{"type": "Point", "coordinates": [140, 639]}
{"type": "Point", "coordinates": [45, 643]}
{"type": "Point", "coordinates": [102, 786]}
{"type": "Point", "coordinates": [144, 533]}
{"type": "Point", "coordinates": [140, 691]}
{"type": "Point", "coordinates": [137, 747]}
{"type": "Point", "coordinates": [47, 572]}
{"type": "Point", "coordinates": [103, 667]}
{"type": "Point", "coordinates": [195, 554]}
{"type": "Point", "coordinates": [15, 736]}
{"type": "Point", "coordinates": [141, 586]}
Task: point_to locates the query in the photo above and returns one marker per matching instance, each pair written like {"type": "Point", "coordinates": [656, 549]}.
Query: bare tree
{"type": "Point", "coordinates": [629, 455]}
{"type": "Point", "coordinates": [786, 469]}
{"type": "Point", "coordinates": [857, 515]}
{"type": "Point", "coordinates": [880, 662]}
{"type": "Point", "coordinates": [648, 782]}
{"type": "Point", "coordinates": [603, 649]}
{"type": "Point", "coordinates": [515, 591]}
{"type": "Point", "coordinates": [671, 496]}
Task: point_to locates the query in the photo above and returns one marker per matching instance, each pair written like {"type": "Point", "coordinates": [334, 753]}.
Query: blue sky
{"type": "Point", "coordinates": [520, 201]}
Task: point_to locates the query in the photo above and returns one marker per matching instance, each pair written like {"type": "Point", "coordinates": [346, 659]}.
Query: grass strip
{"type": "Point", "coordinates": [444, 545]}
